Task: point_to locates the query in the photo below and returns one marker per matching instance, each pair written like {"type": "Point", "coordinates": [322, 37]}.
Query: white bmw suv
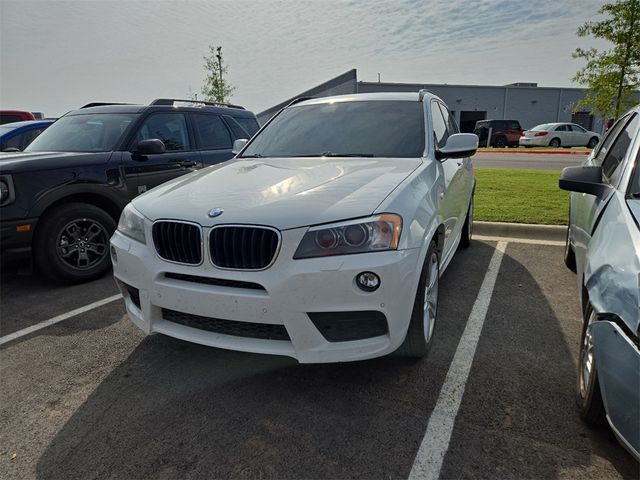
{"type": "Point", "coordinates": [323, 239]}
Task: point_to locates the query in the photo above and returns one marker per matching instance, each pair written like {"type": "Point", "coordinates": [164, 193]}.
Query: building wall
{"type": "Point", "coordinates": [531, 105]}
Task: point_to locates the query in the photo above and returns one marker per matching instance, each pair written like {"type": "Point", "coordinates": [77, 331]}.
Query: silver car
{"type": "Point", "coordinates": [603, 248]}
{"type": "Point", "coordinates": [559, 135]}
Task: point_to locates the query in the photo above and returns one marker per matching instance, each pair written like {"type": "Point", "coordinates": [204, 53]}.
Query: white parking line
{"type": "Point", "coordinates": [529, 241]}
{"type": "Point", "coordinates": [435, 443]}
{"type": "Point", "coordinates": [56, 319]}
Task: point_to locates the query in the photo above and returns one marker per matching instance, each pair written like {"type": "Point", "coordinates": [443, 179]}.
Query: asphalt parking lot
{"type": "Point", "coordinates": [91, 397]}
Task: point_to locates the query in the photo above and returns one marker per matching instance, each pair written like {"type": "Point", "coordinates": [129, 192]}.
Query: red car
{"type": "Point", "coordinates": [504, 133]}
{"type": "Point", "coordinates": [10, 116]}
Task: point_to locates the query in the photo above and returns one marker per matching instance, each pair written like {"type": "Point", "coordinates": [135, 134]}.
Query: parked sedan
{"type": "Point", "coordinates": [15, 137]}
{"type": "Point", "coordinates": [323, 240]}
{"type": "Point", "coordinates": [559, 135]}
{"type": "Point", "coordinates": [603, 248]}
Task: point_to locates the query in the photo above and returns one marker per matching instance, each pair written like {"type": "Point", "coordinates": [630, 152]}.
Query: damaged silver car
{"type": "Point", "coordinates": [603, 248]}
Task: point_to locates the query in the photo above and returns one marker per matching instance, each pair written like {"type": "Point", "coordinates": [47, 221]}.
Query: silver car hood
{"type": "Point", "coordinates": [280, 192]}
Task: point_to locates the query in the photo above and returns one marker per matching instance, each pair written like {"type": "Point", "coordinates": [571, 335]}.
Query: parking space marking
{"type": "Point", "coordinates": [528, 241]}
{"type": "Point", "coordinates": [57, 319]}
{"type": "Point", "coordinates": [435, 443]}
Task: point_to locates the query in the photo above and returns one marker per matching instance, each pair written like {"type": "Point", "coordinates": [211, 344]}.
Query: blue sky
{"type": "Point", "coordinates": [56, 56]}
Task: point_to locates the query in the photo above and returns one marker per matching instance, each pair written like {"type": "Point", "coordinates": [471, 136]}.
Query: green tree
{"type": "Point", "coordinates": [613, 75]}
{"type": "Point", "coordinates": [216, 88]}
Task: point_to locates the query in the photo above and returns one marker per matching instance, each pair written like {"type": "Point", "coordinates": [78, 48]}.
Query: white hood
{"type": "Point", "coordinates": [280, 192]}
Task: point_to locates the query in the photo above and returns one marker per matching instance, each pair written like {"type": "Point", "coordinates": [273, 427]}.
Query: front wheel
{"type": "Point", "coordinates": [467, 228]}
{"type": "Point", "coordinates": [425, 308]}
{"type": "Point", "coordinates": [500, 142]}
{"type": "Point", "coordinates": [589, 397]}
{"type": "Point", "coordinates": [72, 243]}
{"type": "Point", "coordinates": [569, 253]}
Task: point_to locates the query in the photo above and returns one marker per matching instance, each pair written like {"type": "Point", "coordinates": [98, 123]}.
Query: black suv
{"type": "Point", "coordinates": [504, 133]}
{"type": "Point", "coordinates": [61, 198]}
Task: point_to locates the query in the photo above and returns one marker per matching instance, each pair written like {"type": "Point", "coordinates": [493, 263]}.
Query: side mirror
{"type": "Point", "coordinates": [11, 149]}
{"type": "Point", "coordinates": [151, 146]}
{"type": "Point", "coordinates": [238, 145]}
{"type": "Point", "coordinates": [584, 180]}
{"type": "Point", "coordinates": [459, 145]}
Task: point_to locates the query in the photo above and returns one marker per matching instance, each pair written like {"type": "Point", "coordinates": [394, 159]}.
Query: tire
{"type": "Point", "coordinates": [589, 397]}
{"type": "Point", "coordinates": [569, 254]}
{"type": "Point", "coordinates": [467, 228]}
{"type": "Point", "coordinates": [593, 142]}
{"type": "Point", "coordinates": [555, 142]}
{"type": "Point", "coordinates": [500, 142]}
{"type": "Point", "coordinates": [419, 339]}
{"type": "Point", "coordinates": [72, 243]}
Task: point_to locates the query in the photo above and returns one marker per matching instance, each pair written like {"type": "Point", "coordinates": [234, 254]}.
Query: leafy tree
{"type": "Point", "coordinates": [613, 75]}
{"type": "Point", "coordinates": [216, 88]}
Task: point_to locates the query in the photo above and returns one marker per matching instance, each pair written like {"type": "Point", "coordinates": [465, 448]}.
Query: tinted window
{"type": "Point", "coordinates": [634, 187]}
{"type": "Point", "coordinates": [452, 127]}
{"type": "Point", "coordinates": [212, 132]}
{"type": "Point", "coordinates": [499, 125]}
{"type": "Point", "coordinates": [513, 125]}
{"type": "Point", "coordinates": [378, 128]}
{"type": "Point", "coordinates": [249, 124]}
{"type": "Point", "coordinates": [10, 118]}
{"type": "Point", "coordinates": [440, 133]}
{"type": "Point", "coordinates": [171, 128]}
{"type": "Point", "coordinates": [562, 128]}
{"type": "Point", "coordinates": [617, 152]}
{"type": "Point", "coordinates": [83, 133]}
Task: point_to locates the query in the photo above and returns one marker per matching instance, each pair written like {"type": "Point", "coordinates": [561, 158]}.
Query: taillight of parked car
{"type": "Point", "coordinates": [540, 134]}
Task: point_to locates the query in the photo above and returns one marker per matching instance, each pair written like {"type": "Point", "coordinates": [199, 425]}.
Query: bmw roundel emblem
{"type": "Point", "coordinates": [215, 212]}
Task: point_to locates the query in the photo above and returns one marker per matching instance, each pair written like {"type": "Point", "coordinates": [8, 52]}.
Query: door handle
{"type": "Point", "coordinates": [184, 163]}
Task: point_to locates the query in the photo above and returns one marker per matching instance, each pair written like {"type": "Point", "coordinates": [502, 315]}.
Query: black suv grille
{"type": "Point", "coordinates": [243, 248]}
{"type": "Point", "coordinates": [178, 242]}
{"type": "Point", "coordinates": [264, 331]}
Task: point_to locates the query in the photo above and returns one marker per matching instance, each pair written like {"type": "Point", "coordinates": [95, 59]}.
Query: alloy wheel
{"type": "Point", "coordinates": [82, 243]}
{"type": "Point", "coordinates": [587, 358]}
{"type": "Point", "coordinates": [431, 297]}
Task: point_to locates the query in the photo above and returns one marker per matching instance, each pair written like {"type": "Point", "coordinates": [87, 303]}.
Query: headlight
{"type": "Point", "coordinates": [131, 224]}
{"type": "Point", "coordinates": [372, 234]}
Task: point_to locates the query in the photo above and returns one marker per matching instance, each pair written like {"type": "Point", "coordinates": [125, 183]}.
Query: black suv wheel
{"type": "Point", "coordinates": [72, 243]}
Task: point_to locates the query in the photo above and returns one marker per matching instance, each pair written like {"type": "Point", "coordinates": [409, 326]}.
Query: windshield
{"type": "Point", "coordinates": [83, 133]}
{"type": "Point", "coordinates": [544, 126]}
{"type": "Point", "coordinates": [364, 128]}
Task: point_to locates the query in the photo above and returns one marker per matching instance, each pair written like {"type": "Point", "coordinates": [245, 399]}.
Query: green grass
{"type": "Point", "coordinates": [520, 196]}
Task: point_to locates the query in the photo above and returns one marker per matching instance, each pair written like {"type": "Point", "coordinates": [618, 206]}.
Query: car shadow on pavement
{"type": "Point", "coordinates": [177, 410]}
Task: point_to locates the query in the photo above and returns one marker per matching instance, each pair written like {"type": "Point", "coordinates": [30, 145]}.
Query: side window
{"type": "Point", "coordinates": [14, 142]}
{"type": "Point", "coordinates": [605, 145]}
{"type": "Point", "coordinates": [238, 130]}
{"type": "Point", "coordinates": [562, 128]}
{"type": "Point", "coordinates": [212, 132]}
{"type": "Point", "coordinates": [513, 125]}
{"type": "Point", "coordinates": [617, 152]}
{"type": "Point", "coordinates": [439, 126]}
{"type": "Point", "coordinates": [452, 127]}
{"type": "Point", "coordinates": [578, 128]}
{"type": "Point", "coordinates": [249, 124]}
{"type": "Point", "coordinates": [171, 128]}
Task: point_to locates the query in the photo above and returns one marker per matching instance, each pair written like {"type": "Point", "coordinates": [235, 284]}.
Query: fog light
{"type": "Point", "coordinates": [368, 281]}
{"type": "Point", "coordinates": [114, 255]}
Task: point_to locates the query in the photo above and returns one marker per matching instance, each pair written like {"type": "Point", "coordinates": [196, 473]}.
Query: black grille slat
{"type": "Point", "coordinates": [219, 282]}
{"type": "Point", "coordinates": [243, 248]}
{"type": "Point", "coordinates": [265, 331]}
{"type": "Point", "coordinates": [178, 242]}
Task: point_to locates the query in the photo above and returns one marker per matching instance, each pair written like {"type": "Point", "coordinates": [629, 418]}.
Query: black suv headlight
{"type": "Point", "coordinates": [6, 190]}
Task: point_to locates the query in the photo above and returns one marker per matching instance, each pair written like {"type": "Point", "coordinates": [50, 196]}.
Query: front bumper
{"type": "Point", "coordinates": [16, 235]}
{"type": "Point", "coordinates": [292, 290]}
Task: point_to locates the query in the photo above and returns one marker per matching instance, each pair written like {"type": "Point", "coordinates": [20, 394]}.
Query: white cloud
{"type": "Point", "coordinates": [56, 56]}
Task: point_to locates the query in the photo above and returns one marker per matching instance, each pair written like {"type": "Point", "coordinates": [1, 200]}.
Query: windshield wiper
{"type": "Point", "coordinates": [254, 155]}
{"type": "Point", "coordinates": [332, 154]}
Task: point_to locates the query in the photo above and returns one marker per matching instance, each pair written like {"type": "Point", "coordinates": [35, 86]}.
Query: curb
{"type": "Point", "coordinates": [521, 230]}
{"type": "Point", "coordinates": [528, 151]}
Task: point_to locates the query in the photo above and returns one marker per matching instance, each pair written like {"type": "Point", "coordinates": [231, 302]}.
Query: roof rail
{"type": "Point", "coordinates": [103, 104]}
{"type": "Point", "coordinates": [421, 93]}
{"type": "Point", "coordinates": [298, 100]}
{"type": "Point", "coordinates": [171, 101]}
